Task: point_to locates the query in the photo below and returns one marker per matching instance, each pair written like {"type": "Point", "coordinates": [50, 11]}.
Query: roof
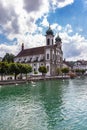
{"type": "Point", "coordinates": [58, 39]}
{"type": "Point", "coordinates": [31, 51]}
{"type": "Point", "coordinates": [49, 31]}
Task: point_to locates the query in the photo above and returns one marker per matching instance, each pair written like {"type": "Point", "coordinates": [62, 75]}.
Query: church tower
{"type": "Point", "coordinates": [58, 51]}
{"type": "Point", "coordinates": [58, 42]}
{"type": "Point", "coordinates": [49, 50]}
{"type": "Point", "coordinates": [49, 36]}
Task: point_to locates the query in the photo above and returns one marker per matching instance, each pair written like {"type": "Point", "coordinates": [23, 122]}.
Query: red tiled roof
{"type": "Point", "coordinates": [31, 51]}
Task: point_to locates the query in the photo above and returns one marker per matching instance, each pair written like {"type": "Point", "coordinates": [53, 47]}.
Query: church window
{"type": "Point", "coordinates": [53, 56]}
{"type": "Point", "coordinates": [52, 41]}
{"type": "Point", "coordinates": [34, 69]}
{"type": "Point", "coordinates": [47, 56]}
{"type": "Point", "coordinates": [48, 41]}
{"type": "Point", "coordinates": [47, 68]}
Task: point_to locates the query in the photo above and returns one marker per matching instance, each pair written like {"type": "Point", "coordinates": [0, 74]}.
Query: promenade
{"type": "Point", "coordinates": [22, 81]}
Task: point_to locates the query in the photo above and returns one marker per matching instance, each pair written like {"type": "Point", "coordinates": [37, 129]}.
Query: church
{"type": "Point", "coordinates": [50, 55]}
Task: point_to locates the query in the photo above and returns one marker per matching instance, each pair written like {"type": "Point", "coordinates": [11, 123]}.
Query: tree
{"type": "Point", "coordinates": [58, 71]}
{"type": "Point", "coordinates": [83, 71]}
{"type": "Point", "coordinates": [43, 69]}
{"type": "Point", "coordinates": [14, 69]}
{"type": "Point", "coordinates": [8, 58]}
{"type": "Point", "coordinates": [21, 68]}
{"type": "Point", "coordinates": [80, 71]}
{"type": "Point", "coordinates": [26, 69]}
{"type": "Point", "coordinates": [65, 70]}
{"type": "Point", "coordinates": [3, 69]}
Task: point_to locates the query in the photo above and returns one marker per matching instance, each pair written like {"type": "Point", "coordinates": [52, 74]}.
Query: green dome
{"type": "Point", "coordinates": [58, 39]}
{"type": "Point", "coordinates": [49, 31]}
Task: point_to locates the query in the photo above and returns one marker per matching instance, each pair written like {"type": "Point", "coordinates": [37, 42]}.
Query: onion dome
{"type": "Point", "coordinates": [58, 39]}
{"type": "Point", "coordinates": [49, 31]}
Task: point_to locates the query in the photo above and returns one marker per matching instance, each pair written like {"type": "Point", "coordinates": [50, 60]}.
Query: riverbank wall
{"type": "Point", "coordinates": [35, 79]}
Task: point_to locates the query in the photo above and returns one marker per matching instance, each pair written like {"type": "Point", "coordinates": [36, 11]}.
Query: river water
{"type": "Point", "coordinates": [44, 105]}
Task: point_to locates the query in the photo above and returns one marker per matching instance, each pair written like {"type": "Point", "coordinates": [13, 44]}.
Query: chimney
{"type": "Point", "coordinates": [22, 46]}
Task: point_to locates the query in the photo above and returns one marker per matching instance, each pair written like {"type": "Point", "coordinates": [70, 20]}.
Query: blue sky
{"type": "Point", "coordinates": [26, 21]}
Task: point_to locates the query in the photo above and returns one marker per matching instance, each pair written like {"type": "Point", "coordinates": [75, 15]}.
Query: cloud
{"type": "Point", "coordinates": [68, 28]}
{"type": "Point", "coordinates": [74, 47]}
{"type": "Point", "coordinates": [45, 22]}
{"type": "Point", "coordinates": [18, 19]}
{"type": "Point", "coordinates": [61, 3]}
{"type": "Point", "coordinates": [7, 14]}
{"type": "Point", "coordinates": [8, 49]}
{"type": "Point", "coordinates": [32, 6]}
{"type": "Point", "coordinates": [85, 4]}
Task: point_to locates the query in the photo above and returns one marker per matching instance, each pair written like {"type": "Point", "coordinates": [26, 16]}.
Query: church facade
{"type": "Point", "coordinates": [50, 55]}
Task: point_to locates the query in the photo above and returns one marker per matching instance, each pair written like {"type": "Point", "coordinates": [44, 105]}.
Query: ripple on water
{"type": "Point", "coordinates": [47, 105]}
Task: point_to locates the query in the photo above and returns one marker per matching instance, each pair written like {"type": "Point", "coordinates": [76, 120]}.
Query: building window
{"type": "Point", "coordinates": [30, 59]}
{"type": "Point", "coordinates": [34, 69]}
{"type": "Point", "coordinates": [52, 41]}
{"type": "Point", "coordinates": [53, 56]}
{"type": "Point", "coordinates": [48, 41]}
{"type": "Point", "coordinates": [47, 56]}
{"type": "Point", "coordinates": [47, 68]}
{"type": "Point", "coordinates": [36, 58]}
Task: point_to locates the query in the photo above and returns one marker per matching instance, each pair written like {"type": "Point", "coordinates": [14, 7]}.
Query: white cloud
{"type": "Point", "coordinates": [45, 22]}
{"type": "Point", "coordinates": [8, 49]}
{"type": "Point", "coordinates": [68, 28]}
{"type": "Point", "coordinates": [61, 3]}
{"type": "Point", "coordinates": [18, 20]}
{"type": "Point", "coordinates": [74, 47]}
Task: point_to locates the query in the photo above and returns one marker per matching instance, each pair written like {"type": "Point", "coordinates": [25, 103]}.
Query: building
{"type": "Point", "coordinates": [50, 55]}
{"type": "Point", "coordinates": [80, 64]}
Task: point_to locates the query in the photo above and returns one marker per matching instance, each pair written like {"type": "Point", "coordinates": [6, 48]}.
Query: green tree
{"type": "Point", "coordinates": [83, 71]}
{"type": "Point", "coordinates": [58, 71]}
{"type": "Point", "coordinates": [65, 70]}
{"type": "Point", "coordinates": [3, 69]}
{"type": "Point", "coordinates": [8, 58]}
{"type": "Point", "coordinates": [14, 69]}
{"type": "Point", "coordinates": [80, 71]}
{"type": "Point", "coordinates": [43, 70]}
{"type": "Point", "coordinates": [21, 69]}
{"type": "Point", "coordinates": [26, 69]}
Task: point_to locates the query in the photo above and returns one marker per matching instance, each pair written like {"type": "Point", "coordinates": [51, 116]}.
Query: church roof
{"type": "Point", "coordinates": [31, 51]}
{"type": "Point", "coordinates": [49, 31]}
{"type": "Point", "coordinates": [58, 39]}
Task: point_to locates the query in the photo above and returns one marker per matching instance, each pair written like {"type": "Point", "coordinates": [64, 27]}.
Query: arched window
{"type": "Point", "coordinates": [48, 41]}
{"type": "Point", "coordinates": [52, 41]}
{"type": "Point", "coordinates": [47, 68]}
{"type": "Point", "coordinates": [47, 56]}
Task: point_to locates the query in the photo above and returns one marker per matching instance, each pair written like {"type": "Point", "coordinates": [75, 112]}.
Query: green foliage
{"type": "Point", "coordinates": [14, 68]}
{"type": "Point", "coordinates": [58, 71]}
{"type": "Point", "coordinates": [8, 58]}
{"type": "Point", "coordinates": [35, 72]}
{"type": "Point", "coordinates": [26, 68]}
{"type": "Point", "coordinates": [43, 69]}
{"type": "Point", "coordinates": [83, 71]}
{"type": "Point", "coordinates": [65, 70]}
{"type": "Point", "coordinates": [3, 68]}
{"type": "Point", "coordinates": [80, 71]}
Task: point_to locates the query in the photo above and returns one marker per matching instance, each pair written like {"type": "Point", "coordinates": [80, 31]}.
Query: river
{"type": "Point", "coordinates": [44, 105]}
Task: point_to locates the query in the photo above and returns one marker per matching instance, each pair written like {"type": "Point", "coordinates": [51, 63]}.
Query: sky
{"type": "Point", "coordinates": [26, 21]}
